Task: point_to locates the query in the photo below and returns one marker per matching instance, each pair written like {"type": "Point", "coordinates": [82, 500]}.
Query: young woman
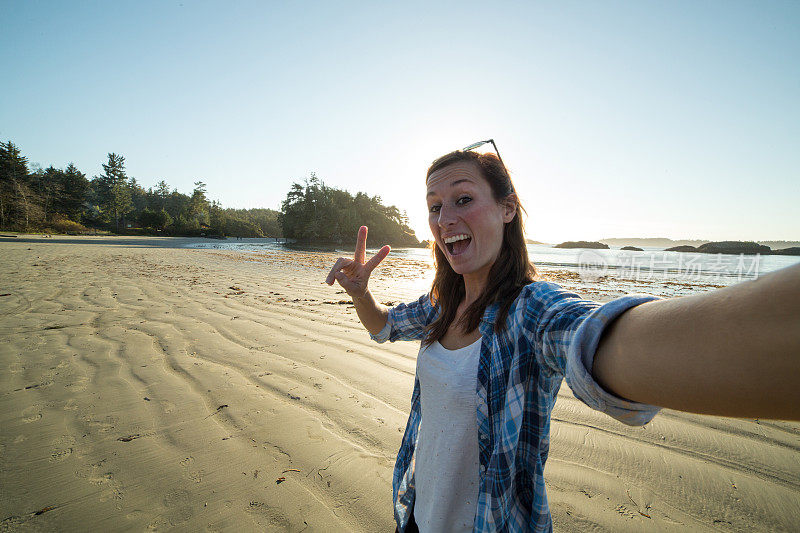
{"type": "Point", "coordinates": [496, 345]}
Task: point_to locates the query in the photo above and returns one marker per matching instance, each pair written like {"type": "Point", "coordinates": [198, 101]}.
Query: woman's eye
{"type": "Point", "coordinates": [434, 208]}
{"type": "Point", "coordinates": [463, 200]}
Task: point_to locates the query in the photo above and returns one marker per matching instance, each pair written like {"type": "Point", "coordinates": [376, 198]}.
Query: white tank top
{"type": "Point", "coordinates": [446, 471]}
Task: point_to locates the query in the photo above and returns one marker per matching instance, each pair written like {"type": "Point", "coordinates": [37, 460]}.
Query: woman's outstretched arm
{"type": "Point", "coordinates": [733, 351]}
{"type": "Point", "coordinates": [353, 276]}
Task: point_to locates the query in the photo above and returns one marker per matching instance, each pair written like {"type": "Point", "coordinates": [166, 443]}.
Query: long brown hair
{"type": "Point", "coordinates": [511, 271]}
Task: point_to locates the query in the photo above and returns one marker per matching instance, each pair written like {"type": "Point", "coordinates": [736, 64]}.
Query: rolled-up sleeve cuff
{"type": "Point", "coordinates": [383, 335]}
{"type": "Point", "coordinates": [580, 358]}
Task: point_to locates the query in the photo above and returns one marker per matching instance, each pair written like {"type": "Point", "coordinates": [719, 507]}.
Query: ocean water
{"type": "Point", "coordinates": [652, 270]}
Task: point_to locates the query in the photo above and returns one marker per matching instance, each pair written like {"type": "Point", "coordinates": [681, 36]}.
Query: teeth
{"type": "Point", "coordinates": [456, 238]}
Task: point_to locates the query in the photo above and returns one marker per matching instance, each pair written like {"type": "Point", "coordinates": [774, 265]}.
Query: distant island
{"type": "Point", "coordinates": [663, 242]}
{"type": "Point", "coordinates": [582, 244]}
{"type": "Point", "coordinates": [794, 250]}
{"type": "Point", "coordinates": [720, 247]}
{"type": "Point", "coordinates": [317, 214]}
{"type": "Point", "coordinates": [681, 248]}
{"type": "Point", "coordinates": [734, 248]}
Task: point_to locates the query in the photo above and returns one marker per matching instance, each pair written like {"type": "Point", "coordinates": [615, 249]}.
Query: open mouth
{"type": "Point", "coordinates": [457, 244]}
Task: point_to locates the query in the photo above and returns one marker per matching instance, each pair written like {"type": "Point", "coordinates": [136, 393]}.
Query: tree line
{"type": "Point", "coordinates": [66, 201]}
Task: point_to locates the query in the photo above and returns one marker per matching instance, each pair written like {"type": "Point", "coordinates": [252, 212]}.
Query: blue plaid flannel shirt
{"type": "Point", "coordinates": [550, 334]}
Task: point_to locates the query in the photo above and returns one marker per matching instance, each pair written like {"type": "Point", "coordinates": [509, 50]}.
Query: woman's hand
{"type": "Point", "coordinates": [353, 274]}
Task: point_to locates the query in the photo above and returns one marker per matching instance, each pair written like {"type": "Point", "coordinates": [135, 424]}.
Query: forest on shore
{"type": "Point", "coordinates": [55, 200]}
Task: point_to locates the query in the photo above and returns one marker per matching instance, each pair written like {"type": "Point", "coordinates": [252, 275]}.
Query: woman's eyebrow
{"type": "Point", "coordinates": [462, 180]}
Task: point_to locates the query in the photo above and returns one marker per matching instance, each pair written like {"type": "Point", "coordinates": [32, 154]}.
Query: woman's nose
{"type": "Point", "coordinates": [446, 217]}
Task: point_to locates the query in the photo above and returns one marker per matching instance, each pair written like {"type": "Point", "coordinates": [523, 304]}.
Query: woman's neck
{"type": "Point", "coordinates": [474, 285]}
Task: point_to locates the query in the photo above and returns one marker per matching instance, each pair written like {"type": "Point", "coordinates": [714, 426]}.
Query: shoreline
{"type": "Point", "coordinates": [154, 386]}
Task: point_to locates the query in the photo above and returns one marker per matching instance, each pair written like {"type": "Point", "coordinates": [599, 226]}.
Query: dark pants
{"type": "Point", "coordinates": [411, 527]}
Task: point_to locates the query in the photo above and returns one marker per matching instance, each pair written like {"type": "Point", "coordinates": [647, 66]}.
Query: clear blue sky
{"type": "Point", "coordinates": [675, 119]}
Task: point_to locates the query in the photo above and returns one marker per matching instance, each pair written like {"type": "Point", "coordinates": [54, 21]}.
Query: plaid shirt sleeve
{"type": "Point", "coordinates": [407, 322]}
{"type": "Point", "coordinates": [568, 330]}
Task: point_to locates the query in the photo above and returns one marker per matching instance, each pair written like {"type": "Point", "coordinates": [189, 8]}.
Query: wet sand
{"type": "Point", "coordinates": [147, 386]}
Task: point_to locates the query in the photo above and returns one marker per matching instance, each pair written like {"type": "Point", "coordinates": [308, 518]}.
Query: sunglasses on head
{"type": "Point", "coordinates": [481, 143]}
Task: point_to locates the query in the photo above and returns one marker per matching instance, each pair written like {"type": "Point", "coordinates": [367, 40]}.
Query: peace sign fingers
{"type": "Point", "coordinates": [353, 274]}
{"type": "Point", "coordinates": [361, 252]}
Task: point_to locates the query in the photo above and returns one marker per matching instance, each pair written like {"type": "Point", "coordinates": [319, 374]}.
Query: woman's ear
{"type": "Point", "coordinates": [509, 207]}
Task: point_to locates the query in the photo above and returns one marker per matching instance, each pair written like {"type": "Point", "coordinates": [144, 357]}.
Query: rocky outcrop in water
{"type": "Point", "coordinates": [632, 249]}
{"type": "Point", "coordinates": [733, 247]}
{"type": "Point", "coordinates": [794, 250]}
{"type": "Point", "coordinates": [583, 244]}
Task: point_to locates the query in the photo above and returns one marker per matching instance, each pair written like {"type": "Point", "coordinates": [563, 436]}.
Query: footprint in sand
{"type": "Point", "coordinates": [192, 475]}
{"type": "Point", "coordinates": [102, 479]}
{"type": "Point", "coordinates": [179, 507]}
{"type": "Point", "coordinates": [64, 441]}
{"type": "Point", "coordinates": [167, 406]}
{"type": "Point", "coordinates": [268, 516]}
{"type": "Point", "coordinates": [32, 414]}
{"type": "Point", "coordinates": [159, 522]}
{"type": "Point", "coordinates": [103, 426]}
{"type": "Point", "coordinates": [70, 405]}
{"type": "Point", "coordinates": [78, 384]}
{"type": "Point", "coordinates": [314, 435]}
{"type": "Point", "coordinates": [59, 455]}
{"type": "Point", "coordinates": [624, 511]}
{"type": "Point", "coordinates": [99, 474]}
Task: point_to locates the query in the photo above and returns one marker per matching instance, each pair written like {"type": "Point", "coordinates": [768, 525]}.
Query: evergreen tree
{"type": "Point", "coordinates": [16, 196]}
{"type": "Point", "coordinates": [114, 189]}
{"type": "Point", "coordinates": [48, 187]}
{"type": "Point", "coordinates": [74, 190]}
{"type": "Point", "coordinates": [256, 222]}
{"type": "Point", "coordinates": [198, 205]}
{"type": "Point", "coordinates": [158, 220]}
{"type": "Point", "coordinates": [138, 196]}
{"type": "Point", "coordinates": [162, 192]}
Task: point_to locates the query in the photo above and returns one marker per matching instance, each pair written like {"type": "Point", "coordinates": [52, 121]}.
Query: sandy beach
{"type": "Point", "coordinates": [149, 386]}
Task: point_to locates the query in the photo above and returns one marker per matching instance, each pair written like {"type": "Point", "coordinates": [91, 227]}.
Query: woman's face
{"type": "Point", "coordinates": [465, 219]}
